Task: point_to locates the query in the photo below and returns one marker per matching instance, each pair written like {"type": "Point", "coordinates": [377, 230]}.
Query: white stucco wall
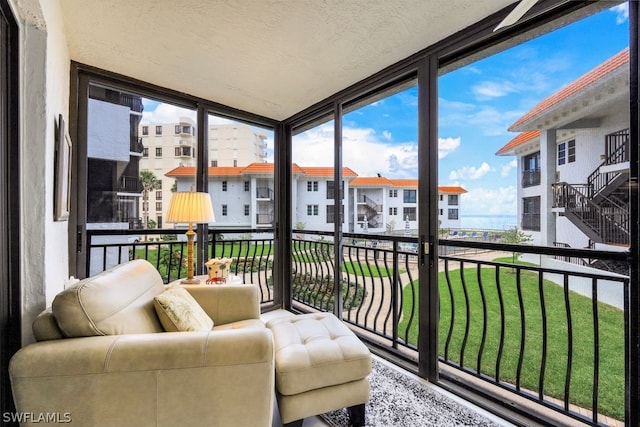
{"type": "Point", "coordinates": [44, 93]}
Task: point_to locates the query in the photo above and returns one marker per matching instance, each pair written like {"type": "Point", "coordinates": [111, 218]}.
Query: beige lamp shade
{"type": "Point", "coordinates": [190, 207]}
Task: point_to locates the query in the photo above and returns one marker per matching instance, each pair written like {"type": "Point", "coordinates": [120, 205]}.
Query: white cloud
{"type": "Point", "coordinates": [622, 13]}
{"type": "Point", "coordinates": [165, 113]}
{"type": "Point", "coordinates": [447, 145]}
{"type": "Point", "coordinates": [488, 90]}
{"type": "Point", "coordinates": [364, 151]}
{"type": "Point", "coordinates": [500, 201]}
{"type": "Point", "coordinates": [387, 135]}
{"type": "Point", "coordinates": [470, 172]}
{"type": "Point", "coordinates": [168, 113]}
{"type": "Point", "coordinates": [507, 167]}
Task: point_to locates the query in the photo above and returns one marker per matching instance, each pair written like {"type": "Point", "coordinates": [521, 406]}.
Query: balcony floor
{"type": "Point", "coordinates": [319, 422]}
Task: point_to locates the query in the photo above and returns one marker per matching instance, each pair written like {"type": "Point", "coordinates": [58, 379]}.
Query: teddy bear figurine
{"type": "Point", "coordinates": [218, 270]}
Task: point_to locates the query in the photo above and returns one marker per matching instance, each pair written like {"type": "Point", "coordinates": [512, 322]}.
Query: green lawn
{"type": "Point", "coordinates": [611, 330]}
{"type": "Point", "coordinates": [367, 270]}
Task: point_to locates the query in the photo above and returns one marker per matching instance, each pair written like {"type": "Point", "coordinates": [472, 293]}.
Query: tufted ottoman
{"type": "Point", "coordinates": [321, 366]}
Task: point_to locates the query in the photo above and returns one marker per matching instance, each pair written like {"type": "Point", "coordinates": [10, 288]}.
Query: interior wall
{"type": "Point", "coordinates": [44, 93]}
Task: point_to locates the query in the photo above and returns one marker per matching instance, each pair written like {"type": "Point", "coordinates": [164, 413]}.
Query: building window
{"type": "Point", "coordinates": [145, 152]}
{"type": "Point", "coordinates": [409, 213]}
{"type": "Point", "coordinates": [441, 197]}
{"type": "Point", "coordinates": [452, 214]}
{"type": "Point", "coordinates": [331, 214]}
{"type": "Point", "coordinates": [159, 130]}
{"type": "Point", "coordinates": [312, 210]}
{"type": "Point", "coordinates": [158, 151]}
{"type": "Point", "coordinates": [531, 213]}
{"type": "Point", "coordinates": [441, 211]}
{"type": "Point", "coordinates": [235, 163]}
{"type": "Point", "coordinates": [312, 185]}
{"type": "Point", "coordinates": [246, 210]}
{"type": "Point", "coordinates": [393, 193]}
{"type": "Point", "coordinates": [214, 163]}
{"type": "Point", "coordinates": [145, 130]}
{"type": "Point", "coordinates": [331, 190]}
{"type": "Point", "coordinates": [410, 196]}
{"type": "Point", "coordinates": [159, 206]}
{"type": "Point", "coordinates": [186, 129]}
{"type": "Point", "coordinates": [158, 195]}
{"type": "Point", "coordinates": [531, 170]}
{"type": "Point", "coordinates": [224, 185]}
{"type": "Point", "coordinates": [393, 211]}
{"type": "Point", "coordinates": [247, 185]}
{"type": "Point", "coordinates": [183, 151]}
{"type": "Point", "coordinates": [453, 200]}
{"type": "Point", "coordinates": [224, 210]}
{"type": "Point", "coordinates": [177, 130]}
{"type": "Point", "coordinates": [567, 152]}
{"type": "Point", "coordinates": [159, 219]}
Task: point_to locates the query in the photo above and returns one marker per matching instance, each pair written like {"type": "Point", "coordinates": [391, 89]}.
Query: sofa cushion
{"type": "Point", "coordinates": [178, 311]}
{"type": "Point", "coordinates": [114, 302]}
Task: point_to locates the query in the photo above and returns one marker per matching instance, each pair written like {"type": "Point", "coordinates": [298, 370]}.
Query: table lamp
{"type": "Point", "coordinates": [190, 207]}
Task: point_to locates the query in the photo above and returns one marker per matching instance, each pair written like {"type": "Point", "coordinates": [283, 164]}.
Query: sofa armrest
{"type": "Point", "coordinates": [161, 379]}
{"type": "Point", "coordinates": [227, 303]}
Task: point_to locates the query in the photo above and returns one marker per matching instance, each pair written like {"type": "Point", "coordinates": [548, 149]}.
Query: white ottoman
{"type": "Point", "coordinates": [321, 366]}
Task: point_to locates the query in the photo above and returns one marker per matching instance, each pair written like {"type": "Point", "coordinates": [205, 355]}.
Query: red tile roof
{"type": "Point", "coordinates": [592, 76]}
{"type": "Point", "coordinates": [611, 64]}
{"type": "Point", "coordinates": [405, 182]}
{"type": "Point", "coordinates": [370, 181]}
{"type": "Point", "coordinates": [451, 189]}
{"type": "Point", "coordinates": [380, 181]}
{"type": "Point", "coordinates": [518, 140]}
{"type": "Point", "coordinates": [258, 168]}
{"type": "Point", "coordinates": [326, 171]}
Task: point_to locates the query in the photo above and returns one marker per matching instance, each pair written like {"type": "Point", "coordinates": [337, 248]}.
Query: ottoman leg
{"type": "Point", "coordinates": [296, 423]}
{"type": "Point", "coordinates": [356, 415]}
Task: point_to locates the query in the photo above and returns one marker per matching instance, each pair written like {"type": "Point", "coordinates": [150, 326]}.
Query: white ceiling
{"type": "Point", "coordinates": [269, 57]}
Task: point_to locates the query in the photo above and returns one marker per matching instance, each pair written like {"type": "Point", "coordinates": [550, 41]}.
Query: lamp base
{"type": "Point", "coordinates": [192, 281]}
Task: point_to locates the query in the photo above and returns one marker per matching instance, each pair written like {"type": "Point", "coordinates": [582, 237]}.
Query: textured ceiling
{"type": "Point", "coordinates": [268, 57]}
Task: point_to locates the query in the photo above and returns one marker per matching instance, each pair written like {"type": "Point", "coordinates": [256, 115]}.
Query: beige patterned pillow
{"type": "Point", "coordinates": [178, 311]}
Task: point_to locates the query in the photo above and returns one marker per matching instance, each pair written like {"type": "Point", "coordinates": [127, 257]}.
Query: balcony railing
{"type": "Point", "coordinates": [264, 193]}
{"type": "Point", "coordinates": [530, 177]}
{"type": "Point", "coordinates": [540, 332]}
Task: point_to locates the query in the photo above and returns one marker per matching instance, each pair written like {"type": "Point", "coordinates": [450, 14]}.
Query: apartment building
{"type": "Point", "coordinates": [573, 162]}
{"type": "Point", "coordinates": [171, 145]}
{"type": "Point", "coordinates": [244, 197]}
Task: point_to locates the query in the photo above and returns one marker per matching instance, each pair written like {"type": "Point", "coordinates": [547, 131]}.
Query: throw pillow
{"type": "Point", "coordinates": [178, 311]}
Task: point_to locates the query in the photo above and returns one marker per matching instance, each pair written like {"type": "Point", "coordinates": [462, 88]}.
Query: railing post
{"type": "Point", "coordinates": [395, 288]}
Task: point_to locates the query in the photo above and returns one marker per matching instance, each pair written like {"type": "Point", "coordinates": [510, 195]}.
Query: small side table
{"type": "Point", "coordinates": [232, 279]}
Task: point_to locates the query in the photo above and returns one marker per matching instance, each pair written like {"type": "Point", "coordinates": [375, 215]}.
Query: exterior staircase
{"type": "Point", "coordinates": [600, 208]}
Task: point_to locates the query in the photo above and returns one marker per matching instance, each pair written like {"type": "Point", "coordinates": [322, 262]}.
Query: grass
{"type": "Point", "coordinates": [611, 330]}
{"type": "Point", "coordinates": [367, 270]}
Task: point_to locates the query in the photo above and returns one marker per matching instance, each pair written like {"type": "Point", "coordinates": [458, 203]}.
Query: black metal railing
{"type": "Point", "coordinates": [264, 193]}
{"type": "Point", "coordinates": [617, 147]}
{"type": "Point", "coordinates": [251, 251]}
{"type": "Point", "coordinates": [552, 335]}
{"type": "Point", "coordinates": [605, 223]}
{"type": "Point", "coordinates": [530, 177]}
{"type": "Point", "coordinates": [264, 219]}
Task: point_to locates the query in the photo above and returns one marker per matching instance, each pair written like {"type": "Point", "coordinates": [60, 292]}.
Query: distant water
{"type": "Point", "coordinates": [489, 222]}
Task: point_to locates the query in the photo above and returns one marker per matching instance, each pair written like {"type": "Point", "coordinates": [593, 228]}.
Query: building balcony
{"type": "Point", "coordinates": [545, 336]}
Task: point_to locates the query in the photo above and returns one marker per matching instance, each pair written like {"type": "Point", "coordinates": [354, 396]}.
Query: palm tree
{"type": "Point", "coordinates": [149, 183]}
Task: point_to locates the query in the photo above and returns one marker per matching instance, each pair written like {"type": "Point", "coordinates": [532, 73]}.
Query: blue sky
{"type": "Point", "coordinates": [477, 103]}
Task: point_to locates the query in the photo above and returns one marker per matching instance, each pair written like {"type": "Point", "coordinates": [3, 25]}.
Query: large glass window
{"type": "Point", "coordinates": [241, 156]}
{"type": "Point", "coordinates": [312, 176]}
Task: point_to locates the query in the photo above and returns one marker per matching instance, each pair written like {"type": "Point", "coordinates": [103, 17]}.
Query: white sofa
{"type": "Point", "coordinates": [103, 358]}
